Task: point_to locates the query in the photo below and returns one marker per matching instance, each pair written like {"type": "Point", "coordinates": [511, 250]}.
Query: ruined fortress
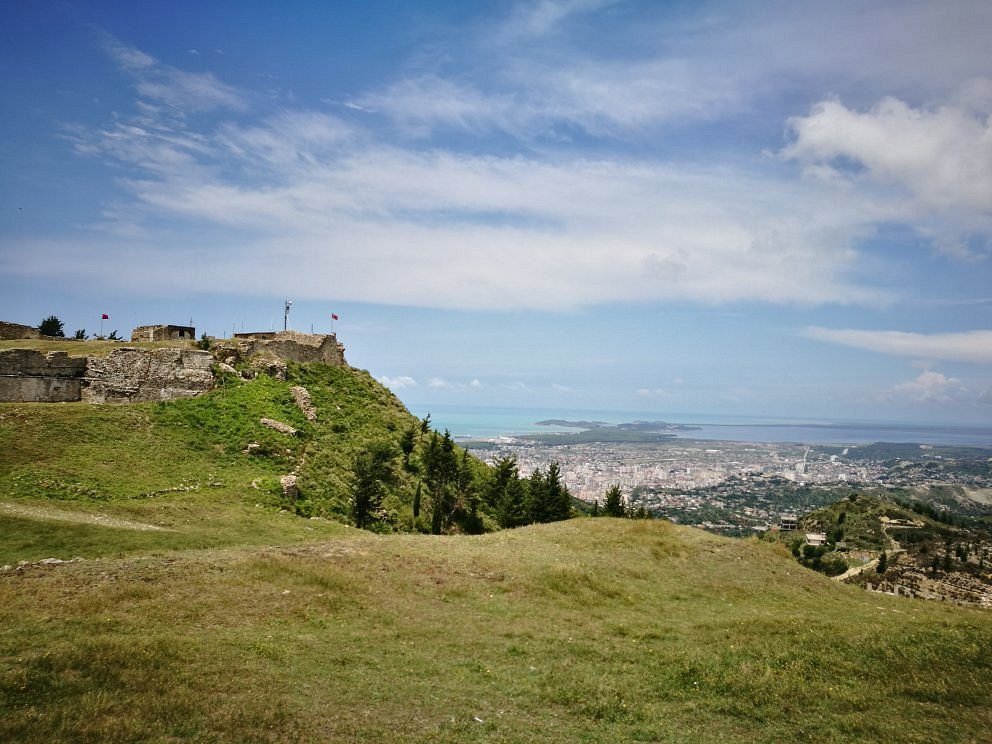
{"type": "Point", "coordinates": [131, 374]}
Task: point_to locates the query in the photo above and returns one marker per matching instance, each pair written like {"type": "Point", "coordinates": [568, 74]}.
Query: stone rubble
{"type": "Point", "coordinates": [278, 426]}
{"type": "Point", "coordinates": [304, 402]}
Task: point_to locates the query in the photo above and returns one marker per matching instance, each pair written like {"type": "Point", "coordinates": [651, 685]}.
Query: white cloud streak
{"type": "Point", "coordinates": [398, 383]}
{"type": "Point", "coordinates": [967, 346]}
{"type": "Point", "coordinates": [166, 84]}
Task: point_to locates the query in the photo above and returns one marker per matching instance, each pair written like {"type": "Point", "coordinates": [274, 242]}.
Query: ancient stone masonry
{"type": "Point", "coordinates": [301, 396]}
{"type": "Point", "coordinates": [292, 346]}
{"type": "Point", "coordinates": [28, 376]}
{"type": "Point", "coordinates": [163, 333]}
{"type": "Point", "coordinates": [132, 375]}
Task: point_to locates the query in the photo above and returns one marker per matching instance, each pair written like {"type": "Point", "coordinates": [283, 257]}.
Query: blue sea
{"type": "Point", "coordinates": [485, 422]}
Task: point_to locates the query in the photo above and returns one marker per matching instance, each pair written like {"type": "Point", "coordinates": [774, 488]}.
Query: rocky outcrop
{"type": "Point", "coordinates": [28, 376]}
{"type": "Point", "coordinates": [129, 375]}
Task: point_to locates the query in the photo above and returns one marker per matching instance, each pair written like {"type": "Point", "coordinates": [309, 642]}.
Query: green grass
{"type": "Point", "coordinates": [590, 630]}
{"type": "Point", "coordinates": [183, 466]}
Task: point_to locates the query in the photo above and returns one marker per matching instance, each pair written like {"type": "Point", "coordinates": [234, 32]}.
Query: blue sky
{"type": "Point", "coordinates": [762, 208]}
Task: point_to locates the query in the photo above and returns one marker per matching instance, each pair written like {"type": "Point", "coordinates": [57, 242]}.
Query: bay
{"type": "Point", "coordinates": [488, 422]}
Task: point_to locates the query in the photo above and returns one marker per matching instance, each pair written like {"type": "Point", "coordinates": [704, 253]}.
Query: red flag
{"type": "Point", "coordinates": [334, 317]}
{"type": "Point", "coordinates": [104, 317]}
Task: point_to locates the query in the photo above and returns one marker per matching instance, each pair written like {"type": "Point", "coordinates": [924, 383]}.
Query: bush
{"type": "Point", "coordinates": [52, 326]}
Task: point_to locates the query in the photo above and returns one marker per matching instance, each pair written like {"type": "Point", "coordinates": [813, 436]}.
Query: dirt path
{"type": "Point", "coordinates": [78, 517]}
{"type": "Point", "coordinates": [893, 549]}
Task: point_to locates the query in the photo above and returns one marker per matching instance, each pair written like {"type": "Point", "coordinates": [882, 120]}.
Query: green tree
{"type": "Point", "coordinates": [373, 476]}
{"type": "Point", "coordinates": [614, 506]}
{"type": "Point", "coordinates": [595, 509]}
{"type": "Point", "coordinates": [407, 442]}
{"type": "Point", "coordinates": [559, 500]}
{"type": "Point", "coordinates": [883, 564]}
{"type": "Point", "coordinates": [80, 335]}
{"type": "Point", "coordinates": [52, 326]}
{"type": "Point", "coordinates": [441, 474]}
{"type": "Point", "coordinates": [113, 336]}
{"type": "Point", "coordinates": [416, 499]}
{"type": "Point", "coordinates": [505, 494]}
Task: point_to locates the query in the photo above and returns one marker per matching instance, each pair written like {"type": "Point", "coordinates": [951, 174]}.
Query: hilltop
{"type": "Point", "coordinates": [200, 471]}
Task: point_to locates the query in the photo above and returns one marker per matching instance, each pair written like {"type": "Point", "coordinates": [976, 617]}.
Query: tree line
{"type": "Point", "coordinates": [456, 492]}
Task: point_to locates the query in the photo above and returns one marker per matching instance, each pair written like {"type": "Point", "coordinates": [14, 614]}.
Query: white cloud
{"type": "Point", "coordinates": [931, 387]}
{"type": "Point", "coordinates": [533, 19]}
{"type": "Point", "coordinates": [439, 383]}
{"type": "Point", "coordinates": [466, 231]}
{"type": "Point", "coordinates": [653, 393]}
{"type": "Point", "coordinates": [166, 84]}
{"type": "Point", "coordinates": [941, 156]}
{"type": "Point", "coordinates": [967, 346]}
{"type": "Point", "coordinates": [398, 383]}
{"type": "Point", "coordinates": [476, 384]}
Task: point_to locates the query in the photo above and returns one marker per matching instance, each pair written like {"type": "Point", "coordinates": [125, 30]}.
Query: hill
{"type": "Point", "coordinates": [196, 472]}
{"type": "Point", "coordinates": [587, 630]}
{"type": "Point", "coordinates": [929, 552]}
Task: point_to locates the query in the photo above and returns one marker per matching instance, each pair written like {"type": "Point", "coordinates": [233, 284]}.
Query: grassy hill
{"type": "Point", "coordinates": [71, 474]}
{"type": "Point", "coordinates": [208, 608]}
{"type": "Point", "coordinates": [591, 630]}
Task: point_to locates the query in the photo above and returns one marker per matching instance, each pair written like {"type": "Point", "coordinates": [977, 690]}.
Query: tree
{"type": "Point", "coordinates": [52, 326]}
{"type": "Point", "coordinates": [407, 442]}
{"type": "Point", "coordinates": [614, 506]}
{"type": "Point", "coordinates": [595, 509]}
{"type": "Point", "coordinates": [559, 500]}
{"type": "Point", "coordinates": [883, 564]}
{"type": "Point", "coordinates": [80, 335]}
{"type": "Point", "coordinates": [505, 494]}
{"type": "Point", "coordinates": [373, 473]}
{"type": "Point", "coordinates": [537, 497]}
{"type": "Point", "coordinates": [113, 336]}
{"type": "Point", "coordinates": [441, 474]}
{"type": "Point", "coordinates": [416, 499]}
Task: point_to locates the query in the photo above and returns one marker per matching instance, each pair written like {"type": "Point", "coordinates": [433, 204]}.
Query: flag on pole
{"type": "Point", "coordinates": [334, 317]}
{"type": "Point", "coordinates": [104, 317]}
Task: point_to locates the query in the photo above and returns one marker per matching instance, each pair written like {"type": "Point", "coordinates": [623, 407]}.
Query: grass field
{"type": "Point", "coordinates": [588, 630]}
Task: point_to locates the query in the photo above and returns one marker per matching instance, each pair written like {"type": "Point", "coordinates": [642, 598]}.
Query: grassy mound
{"type": "Point", "coordinates": [73, 475]}
{"type": "Point", "coordinates": [588, 630]}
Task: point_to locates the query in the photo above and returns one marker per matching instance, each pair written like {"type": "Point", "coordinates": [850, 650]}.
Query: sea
{"type": "Point", "coordinates": [489, 422]}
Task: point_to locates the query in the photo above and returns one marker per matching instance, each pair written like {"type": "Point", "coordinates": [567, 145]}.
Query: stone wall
{"type": "Point", "coordinates": [290, 346]}
{"type": "Point", "coordinates": [133, 375]}
{"type": "Point", "coordinates": [130, 375]}
{"type": "Point", "coordinates": [28, 376]}
{"type": "Point", "coordinates": [163, 333]}
{"type": "Point", "coordinates": [16, 331]}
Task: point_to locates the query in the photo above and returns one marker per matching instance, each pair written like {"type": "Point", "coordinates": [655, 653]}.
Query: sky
{"type": "Point", "coordinates": [762, 208]}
